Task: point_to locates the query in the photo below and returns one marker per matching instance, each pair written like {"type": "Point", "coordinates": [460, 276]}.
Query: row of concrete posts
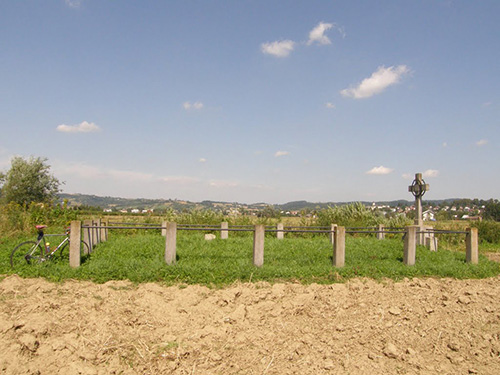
{"type": "Point", "coordinates": [95, 232]}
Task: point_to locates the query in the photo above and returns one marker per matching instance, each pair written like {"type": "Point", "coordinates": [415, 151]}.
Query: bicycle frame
{"type": "Point", "coordinates": [41, 242]}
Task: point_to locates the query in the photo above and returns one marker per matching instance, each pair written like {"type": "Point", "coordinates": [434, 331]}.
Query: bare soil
{"type": "Point", "coordinates": [419, 326]}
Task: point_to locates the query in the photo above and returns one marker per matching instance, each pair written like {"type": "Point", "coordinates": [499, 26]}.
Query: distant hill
{"type": "Point", "coordinates": [115, 203]}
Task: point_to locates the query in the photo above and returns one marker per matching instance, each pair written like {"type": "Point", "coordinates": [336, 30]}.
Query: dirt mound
{"type": "Point", "coordinates": [412, 327]}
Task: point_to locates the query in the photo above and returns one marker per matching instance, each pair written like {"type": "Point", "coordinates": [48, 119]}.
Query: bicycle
{"type": "Point", "coordinates": [39, 251]}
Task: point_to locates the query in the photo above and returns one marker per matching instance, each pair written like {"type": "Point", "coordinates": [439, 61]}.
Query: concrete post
{"type": "Point", "coordinates": [258, 245]}
{"type": "Point", "coordinates": [430, 238]}
{"type": "Point", "coordinates": [471, 246]}
{"type": "Point", "coordinates": [279, 233]}
{"type": "Point", "coordinates": [224, 230]}
{"type": "Point", "coordinates": [98, 231]}
{"type": "Point", "coordinates": [104, 231]}
{"type": "Point", "coordinates": [75, 238]}
{"type": "Point", "coordinates": [339, 247]}
{"type": "Point", "coordinates": [380, 233]}
{"type": "Point", "coordinates": [332, 233]}
{"type": "Point", "coordinates": [410, 245]}
{"type": "Point", "coordinates": [171, 243]}
{"type": "Point", "coordinates": [87, 235]}
{"type": "Point", "coordinates": [164, 228]}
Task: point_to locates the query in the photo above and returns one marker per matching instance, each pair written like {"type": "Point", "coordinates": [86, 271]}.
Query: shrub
{"type": "Point", "coordinates": [488, 231]}
{"type": "Point", "coordinates": [349, 215]}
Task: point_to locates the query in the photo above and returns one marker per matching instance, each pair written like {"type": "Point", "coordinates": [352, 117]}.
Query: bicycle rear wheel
{"type": "Point", "coordinates": [28, 252]}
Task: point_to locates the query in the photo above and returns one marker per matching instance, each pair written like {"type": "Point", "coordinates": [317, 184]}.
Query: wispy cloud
{"type": "Point", "coordinates": [330, 105]}
{"type": "Point", "coordinates": [377, 82]}
{"type": "Point", "coordinates": [380, 170]}
{"type": "Point", "coordinates": [192, 106]}
{"type": "Point", "coordinates": [97, 173]}
{"type": "Point", "coordinates": [430, 173]}
{"type": "Point", "coordinates": [482, 142]}
{"type": "Point", "coordinates": [223, 184]}
{"type": "Point", "coordinates": [83, 127]}
{"type": "Point", "coordinates": [281, 48]}
{"type": "Point", "coordinates": [281, 153]}
{"type": "Point", "coordinates": [202, 160]}
{"type": "Point", "coordinates": [73, 3]}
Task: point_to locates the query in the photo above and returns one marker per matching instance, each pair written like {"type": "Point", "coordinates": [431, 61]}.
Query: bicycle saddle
{"type": "Point", "coordinates": [39, 227]}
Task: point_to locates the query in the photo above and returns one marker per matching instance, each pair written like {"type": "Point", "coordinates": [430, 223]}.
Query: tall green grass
{"type": "Point", "coordinates": [139, 258]}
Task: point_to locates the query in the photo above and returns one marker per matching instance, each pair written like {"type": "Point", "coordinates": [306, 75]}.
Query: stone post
{"type": "Point", "coordinates": [471, 246]}
{"type": "Point", "coordinates": [164, 228]}
{"type": "Point", "coordinates": [333, 229]}
{"type": "Point", "coordinates": [380, 233]}
{"type": "Point", "coordinates": [279, 232]}
{"type": "Point", "coordinates": [87, 235]}
{"type": "Point", "coordinates": [171, 243]}
{"type": "Point", "coordinates": [224, 230]}
{"type": "Point", "coordinates": [258, 245]}
{"type": "Point", "coordinates": [97, 231]}
{"type": "Point", "coordinates": [339, 247]}
{"type": "Point", "coordinates": [430, 238]}
{"type": "Point", "coordinates": [410, 245]}
{"type": "Point", "coordinates": [104, 231]}
{"type": "Point", "coordinates": [75, 238]}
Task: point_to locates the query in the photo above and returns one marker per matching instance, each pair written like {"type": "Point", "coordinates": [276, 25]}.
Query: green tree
{"type": "Point", "coordinates": [27, 181]}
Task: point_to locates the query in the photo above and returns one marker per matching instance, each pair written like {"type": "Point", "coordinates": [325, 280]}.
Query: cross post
{"type": "Point", "coordinates": [418, 189]}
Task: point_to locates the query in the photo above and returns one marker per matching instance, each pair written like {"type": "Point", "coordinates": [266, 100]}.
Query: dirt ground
{"type": "Point", "coordinates": [419, 326]}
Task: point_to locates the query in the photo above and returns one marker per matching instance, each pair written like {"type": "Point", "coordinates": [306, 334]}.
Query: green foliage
{"type": "Point", "coordinates": [349, 215]}
{"type": "Point", "coordinates": [139, 258]}
{"type": "Point", "coordinates": [398, 221]}
{"type": "Point", "coordinates": [16, 219]}
{"type": "Point", "coordinates": [488, 231]}
{"type": "Point", "coordinates": [492, 209]}
{"type": "Point", "coordinates": [208, 217]}
{"type": "Point", "coordinates": [28, 181]}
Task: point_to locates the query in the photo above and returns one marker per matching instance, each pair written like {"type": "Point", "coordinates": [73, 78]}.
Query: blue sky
{"type": "Point", "coordinates": [254, 101]}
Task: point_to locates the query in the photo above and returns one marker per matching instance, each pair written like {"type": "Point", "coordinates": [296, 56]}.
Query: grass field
{"type": "Point", "coordinates": [139, 258]}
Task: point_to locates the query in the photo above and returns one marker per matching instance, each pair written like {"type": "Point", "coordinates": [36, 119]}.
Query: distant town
{"type": "Point", "coordinates": [449, 209]}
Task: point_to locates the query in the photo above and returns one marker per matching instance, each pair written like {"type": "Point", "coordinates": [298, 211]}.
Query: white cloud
{"type": "Point", "coordinates": [317, 35]}
{"type": "Point", "coordinates": [281, 48]}
{"type": "Point", "coordinates": [330, 105]}
{"type": "Point", "coordinates": [430, 173]}
{"type": "Point", "coordinates": [281, 153]}
{"type": "Point", "coordinates": [377, 82]}
{"type": "Point", "coordinates": [482, 142]}
{"type": "Point", "coordinates": [83, 127]}
{"type": "Point", "coordinates": [380, 170]}
{"type": "Point", "coordinates": [223, 184]}
{"type": "Point", "coordinates": [445, 144]}
{"type": "Point", "coordinates": [202, 160]}
{"type": "Point", "coordinates": [73, 3]}
{"type": "Point", "coordinates": [195, 106]}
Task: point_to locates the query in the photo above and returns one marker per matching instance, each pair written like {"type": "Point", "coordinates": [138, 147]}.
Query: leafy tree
{"type": "Point", "coordinates": [27, 181]}
{"type": "Point", "coordinates": [492, 210]}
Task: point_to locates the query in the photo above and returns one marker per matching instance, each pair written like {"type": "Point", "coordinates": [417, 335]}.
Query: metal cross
{"type": "Point", "coordinates": [418, 186]}
{"type": "Point", "coordinates": [418, 189]}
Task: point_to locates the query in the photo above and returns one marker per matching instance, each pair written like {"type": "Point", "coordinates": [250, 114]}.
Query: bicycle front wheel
{"type": "Point", "coordinates": [28, 252]}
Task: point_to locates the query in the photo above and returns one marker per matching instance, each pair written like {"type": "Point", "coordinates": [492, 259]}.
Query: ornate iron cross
{"type": "Point", "coordinates": [418, 186]}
